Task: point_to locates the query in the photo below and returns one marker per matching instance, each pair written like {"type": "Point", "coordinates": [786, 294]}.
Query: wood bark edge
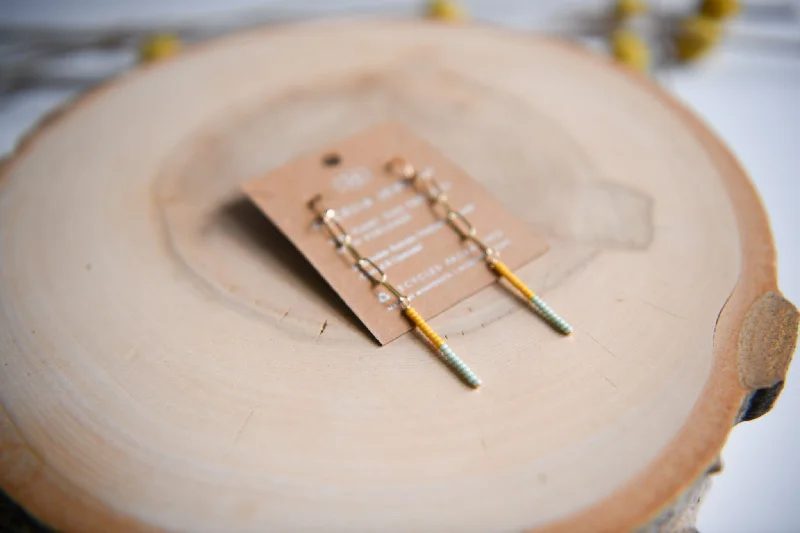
{"type": "Point", "coordinates": [767, 341]}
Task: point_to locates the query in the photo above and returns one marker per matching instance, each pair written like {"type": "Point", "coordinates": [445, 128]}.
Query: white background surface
{"type": "Point", "coordinates": [750, 98]}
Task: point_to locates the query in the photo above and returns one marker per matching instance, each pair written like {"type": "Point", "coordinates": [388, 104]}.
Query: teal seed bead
{"type": "Point", "coordinates": [550, 316]}
{"type": "Point", "coordinates": [460, 367]}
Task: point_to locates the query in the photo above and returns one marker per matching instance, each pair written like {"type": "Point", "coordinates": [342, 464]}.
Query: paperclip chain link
{"type": "Point", "coordinates": [427, 184]}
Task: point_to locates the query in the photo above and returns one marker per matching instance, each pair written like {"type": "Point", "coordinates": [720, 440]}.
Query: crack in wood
{"type": "Point", "coordinates": [322, 329]}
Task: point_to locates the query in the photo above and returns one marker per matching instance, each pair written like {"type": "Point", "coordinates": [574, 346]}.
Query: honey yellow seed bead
{"type": "Point", "coordinates": [624, 9]}
{"type": "Point", "coordinates": [423, 326]}
{"type": "Point", "coordinates": [630, 50]}
{"type": "Point", "coordinates": [720, 9]}
{"type": "Point", "coordinates": [158, 47]}
{"type": "Point", "coordinates": [446, 11]}
{"type": "Point", "coordinates": [503, 270]}
{"type": "Point", "coordinates": [696, 36]}
{"type": "Point", "coordinates": [546, 312]}
{"type": "Point", "coordinates": [453, 361]}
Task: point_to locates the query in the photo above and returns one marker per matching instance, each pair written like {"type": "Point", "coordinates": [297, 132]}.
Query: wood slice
{"type": "Point", "coordinates": [165, 367]}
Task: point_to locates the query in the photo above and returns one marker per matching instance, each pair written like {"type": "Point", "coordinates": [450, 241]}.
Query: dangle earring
{"type": "Point", "coordinates": [377, 276]}
{"type": "Point", "coordinates": [425, 183]}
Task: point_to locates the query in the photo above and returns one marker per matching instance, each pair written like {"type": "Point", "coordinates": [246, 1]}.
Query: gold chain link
{"type": "Point", "coordinates": [425, 183]}
{"type": "Point", "coordinates": [344, 240]}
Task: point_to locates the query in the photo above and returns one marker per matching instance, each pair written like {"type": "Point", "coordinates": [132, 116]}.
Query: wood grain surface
{"type": "Point", "coordinates": [164, 367]}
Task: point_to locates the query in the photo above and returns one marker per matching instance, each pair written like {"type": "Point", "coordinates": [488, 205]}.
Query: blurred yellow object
{"type": "Point", "coordinates": [624, 9]}
{"type": "Point", "coordinates": [446, 11]}
{"type": "Point", "coordinates": [720, 9]}
{"type": "Point", "coordinates": [630, 50]}
{"type": "Point", "coordinates": [696, 36]}
{"type": "Point", "coordinates": [158, 47]}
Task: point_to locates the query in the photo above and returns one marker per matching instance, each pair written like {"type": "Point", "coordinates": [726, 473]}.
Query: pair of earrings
{"type": "Point", "coordinates": [427, 185]}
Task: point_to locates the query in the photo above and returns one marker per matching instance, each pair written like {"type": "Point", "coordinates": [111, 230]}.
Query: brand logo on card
{"type": "Point", "coordinates": [352, 179]}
